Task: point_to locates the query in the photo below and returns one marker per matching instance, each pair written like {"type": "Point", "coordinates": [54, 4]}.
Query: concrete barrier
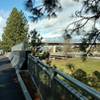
{"type": "Point", "coordinates": [18, 56]}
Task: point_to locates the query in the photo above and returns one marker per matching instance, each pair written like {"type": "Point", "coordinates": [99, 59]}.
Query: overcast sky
{"type": "Point", "coordinates": [53, 27]}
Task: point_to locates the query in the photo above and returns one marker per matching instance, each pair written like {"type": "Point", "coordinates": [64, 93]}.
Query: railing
{"type": "Point", "coordinates": [54, 85]}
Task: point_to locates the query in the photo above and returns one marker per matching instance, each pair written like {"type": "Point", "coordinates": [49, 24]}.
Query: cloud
{"type": "Point", "coordinates": [3, 18]}
{"type": "Point", "coordinates": [2, 24]}
{"type": "Point", "coordinates": [52, 35]}
{"type": "Point", "coordinates": [67, 2]}
{"type": "Point", "coordinates": [56, 26]}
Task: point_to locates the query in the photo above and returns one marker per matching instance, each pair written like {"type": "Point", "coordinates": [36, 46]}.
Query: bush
{"type": "Point", "coordinates": [45, 55]}
{"type": "Point", "coordinates": [80, 75]}
{"type": "Point", "coordinates": [71, 67]}
{"type": "Point", "coordinates": [97, 74]}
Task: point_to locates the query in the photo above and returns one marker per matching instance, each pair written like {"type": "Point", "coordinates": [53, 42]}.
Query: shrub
{"type": "Point", "coordinates": [80, 75]}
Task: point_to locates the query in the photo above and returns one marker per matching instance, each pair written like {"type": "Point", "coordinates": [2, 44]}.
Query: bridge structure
{"type": "Point", "coordinates": [38, 81]}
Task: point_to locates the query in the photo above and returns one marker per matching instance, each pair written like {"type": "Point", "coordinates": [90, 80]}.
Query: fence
{"type": "Point", "coordinates": [54, 85]}
{"type": "Point", "coordinates": [50, 83]}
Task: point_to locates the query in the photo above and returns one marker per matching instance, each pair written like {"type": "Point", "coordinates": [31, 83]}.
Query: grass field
{"type": "Point", "coordinates": [88, 66]}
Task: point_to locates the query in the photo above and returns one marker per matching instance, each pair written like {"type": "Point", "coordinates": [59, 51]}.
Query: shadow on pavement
{"type": "Point", "coordinates": [9, 85]}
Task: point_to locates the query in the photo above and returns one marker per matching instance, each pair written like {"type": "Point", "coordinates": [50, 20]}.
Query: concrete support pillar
{"type": "Point", "coordinates": [54, 49]}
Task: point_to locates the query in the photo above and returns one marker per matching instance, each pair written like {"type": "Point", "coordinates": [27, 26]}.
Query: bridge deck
{"type": "Point", "coordinates": [9, 86]}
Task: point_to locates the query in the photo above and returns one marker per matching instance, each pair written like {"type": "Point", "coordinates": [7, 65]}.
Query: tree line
{"type": "Point", "coordinates": [16, 31]}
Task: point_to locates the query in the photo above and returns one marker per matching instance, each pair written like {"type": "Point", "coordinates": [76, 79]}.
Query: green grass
{"type": "Point", "coordinates": [89, 66]}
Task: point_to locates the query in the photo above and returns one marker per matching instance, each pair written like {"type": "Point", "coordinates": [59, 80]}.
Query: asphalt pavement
{"type": "Point", "coordinates": [9, 85]}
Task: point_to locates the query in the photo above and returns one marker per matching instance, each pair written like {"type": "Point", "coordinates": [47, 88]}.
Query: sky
{"type": "Point", "coordinates": [48, 28]}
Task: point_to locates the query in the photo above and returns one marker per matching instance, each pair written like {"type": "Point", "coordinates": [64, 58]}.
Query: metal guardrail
{"type": "Point", "coordinates": [54, 85]}
{"type": "Point", "coordinates": [50, 83]}
{"type": "Point", "coordinates": [80, 85]}
{"type": "Point", "coordinates": [23, 86]}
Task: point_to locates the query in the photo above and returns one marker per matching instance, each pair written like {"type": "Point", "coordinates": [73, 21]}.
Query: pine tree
{"type": "Point", "coordinates": [0, 44]}
{"type": "Point", "coordinates": [44, 8]}
{"type": "Point", "coordinates": [35, 42]}
{"type": "Point", "coordinates": [16, 29]}
{"type": "Point", "coordinates": [89, 13]}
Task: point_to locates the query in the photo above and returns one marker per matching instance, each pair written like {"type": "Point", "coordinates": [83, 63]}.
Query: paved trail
{"type": "Point", "coordinates": [9, 86]}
